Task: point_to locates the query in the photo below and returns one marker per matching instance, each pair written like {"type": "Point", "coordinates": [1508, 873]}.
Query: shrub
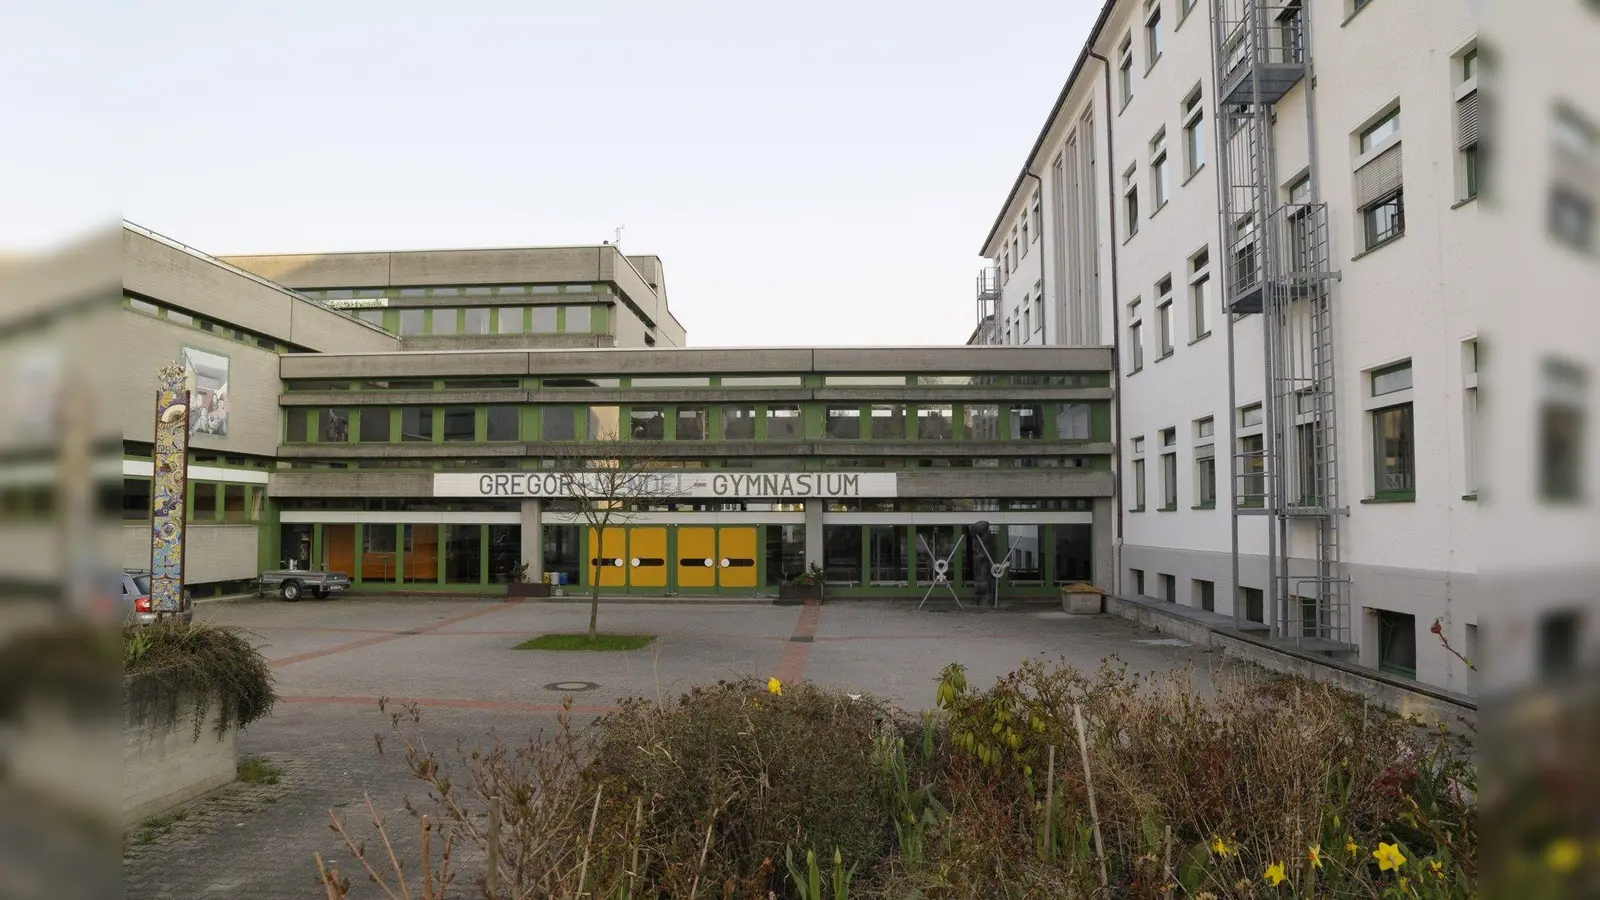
{"type": "Point", "coordinates": [202, 663]}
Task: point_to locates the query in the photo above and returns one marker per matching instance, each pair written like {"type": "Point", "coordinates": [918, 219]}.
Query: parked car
{"type": "Point", "coordinates": [137, 606]}
{"type": "Point", "coordinates": [296, 583]}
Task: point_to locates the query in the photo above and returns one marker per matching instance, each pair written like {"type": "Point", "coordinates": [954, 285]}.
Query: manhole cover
{"type": "Point", "coordinates": [571, 687]}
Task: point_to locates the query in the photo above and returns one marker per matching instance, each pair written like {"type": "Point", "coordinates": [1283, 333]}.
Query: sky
{"type": "Point", "coordinates": [815, 174]}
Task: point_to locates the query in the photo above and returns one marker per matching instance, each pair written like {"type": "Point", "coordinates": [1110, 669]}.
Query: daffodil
{"type": "Point", "coordinates": [1314, 856]}
{"type": "Point", "coordinates": [774, 686]}
{"type": "Point", "coordinates": [1351, 848]}
{"type": "Point", "coordinates": [1436, 868]}
{"type": "Point", "coordinates": [1388, 856]}
{"type": "Point", "coordinates": [1405, 884]}
{"type": "Point", "coordinates": [1221, 848]}
{"type": "Point", "coordinates": [1563, 856]}
{"type": "Point", "coordinates": [1275, 874]}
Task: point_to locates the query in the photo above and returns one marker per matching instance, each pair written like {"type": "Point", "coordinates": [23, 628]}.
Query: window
{"type": "Point", "coordinates": [1380, 131]}
{"type": "Point", "coordinates": [1393, 450]}
{"type": "Point", "coordinates": [1560, 636]}
{"type": "Point", "coordinates": [374, 424]}
{"type": "Point", "coordinates": [504, 423]}
{"type": "Point", "coordinates": [1027, 320]}
{"type": "Point", "coordinates": [646, 423]}
{"type": "Point", "coordinates": [1135, 338]}
{"type": "Point", "coordinates": [1158, 171]}
{"type": "Point", "coordinates": [1152, 35]}
{"type": "Point", "coordinates": [475, 320]}
{"type": "Point", "coordinates": [1561, 432]}
{"type": "Point", "coordinates": [1397, 643]}
{"type": "Point", "coordinates": [579, 318]}
{"type": "Point", "coordinates": [1164, 315]}
{"type": "Point", "coordinates": [691, 423]}
{"type": "Point", "coordinates": [1169, 469]}
{"type": "Point", "coordinates": [297, 424]}
{"type": "Point", "coordinates": [1469, 423]}
{"type": "Point", "coordinates": [604, 423]}
{"type": "Point", "coordinates": [1038, 309]}
{"type": "Point", "coordinates": [460, 423]}
{"type": "Point", "coordinates": [334, 426]}
{"type": "Point", "coordinates": [1038, 218]}
{"type": "Point", "coordinates": [1138, 485]}
{"type": "Point", "coordinates": [1138, 581]}
{"type": "Point", "coordinates": [1017, 252]}
{"type": "Point", "coordinates": [1250, 416]}
{"type": "Point", "coordinates": [205, 501]}
{"type": "Point", "coordinates": [1200, 293]}
{"type": "Point", "coordinates": [981, 421]}
{"type": "Point", "coordinates": [1467, 114]}
{"type": "Point", "coordinates": [136, 501]}
{"type": "Point", "coordinates": [1378, 181]}
{"type": "Point", "coordinates": [739, 423]}
{"type": "Point", "coordinates": [1026, 243]}
{"type": "Point", "coordinates": [1073, 422]}
{"type": "Point", "coordinates": [1385, 219]}
{"type": "Point", "coordinates": [413, 321]}
{"type": "Point", "coordinates": [1205, 595]}
{"type": "Point", "coordinates": [1205, 476]}
{"type": "Point", "coordinates": [137, 305]}
{"type": "Point", "coordinates": [233, 503]}
{"type": "Point", "coordinates": [510, 319]}
{"type": "Point", "coordinates": [888, 423]}
{"type": "Point", "coordinates": [1252, 470]}
{"type": "Point", "coordinates": [416, 423]}
{"type": "Point", "coordinates": [1194, 134]}
{"type": "Point", "coordinates": [784, 423]}
{"type": "Point", "coordinates": [1292, 32]}
{"type": "Point", "coordinates": [1244, 253]}
{"type": "Point", "coordinates": [1027, 421]}
{"type": "Point", "coordinates": [1130, 200]}
{"type": "Point", "coordinates": [1254, 604]}
{"type": "Point", "coordinates": [1125, 68]}
{"type": "Point", "coordinates": [1169, 587]}
{"type": "Point", "coordinates": [544, 319]}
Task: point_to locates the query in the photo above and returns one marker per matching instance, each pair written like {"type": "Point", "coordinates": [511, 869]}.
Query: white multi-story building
{"type": "Point", "coordinates": [1292, 298]}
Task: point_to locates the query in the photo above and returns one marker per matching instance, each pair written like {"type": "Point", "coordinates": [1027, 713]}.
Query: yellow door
{"type": "Point", "coordinates": [736, 566]}
{"type": "Point", "coordinates": [647, 561]}
{"type": "Point", "coordinates": [610, 553]}
{"type": "Point", "coordinates": [697, 548]}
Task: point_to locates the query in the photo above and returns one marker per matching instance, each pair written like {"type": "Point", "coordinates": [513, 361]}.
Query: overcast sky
{"type": "Point", "coordinates": [819, 173]}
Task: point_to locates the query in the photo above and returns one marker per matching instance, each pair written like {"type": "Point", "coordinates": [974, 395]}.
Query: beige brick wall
{"type": "Point", "coordinates": [214, 552]}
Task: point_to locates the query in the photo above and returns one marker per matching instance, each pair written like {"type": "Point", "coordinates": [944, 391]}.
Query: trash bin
{"type": "Point", "coordinates": [1082, 599]}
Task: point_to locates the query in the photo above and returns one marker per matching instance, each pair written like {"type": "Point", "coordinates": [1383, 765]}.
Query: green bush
{"type": "Point", "coordinates": [205, 664]}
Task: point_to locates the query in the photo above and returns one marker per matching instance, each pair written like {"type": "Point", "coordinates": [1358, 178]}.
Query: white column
{"type": "Point", "coordinates": [814, 545]}
{"type": "Point", "coordinates": [533, 538]}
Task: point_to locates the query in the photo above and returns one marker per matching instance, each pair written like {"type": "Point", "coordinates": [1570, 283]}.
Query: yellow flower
{"type": "Point", "coordinates": [1351, 848]}
{"type": "Point", "coordinates": [774, 686]}
{"type": "Point", "coordinates": [1275, 874]}
{"type": "Point", "coordinates": [1437, 868]}
{"type": "Point", "coordinates": [1314, 855]}
{"type": "Point", "coordinates": [1220, 847]}
{"type": "Point", "coordinates": [1388, 857]}
{"type": "Point", "coordinates": [1563, 856]}
{"type": "Point", "coordinates": [1405, 884]}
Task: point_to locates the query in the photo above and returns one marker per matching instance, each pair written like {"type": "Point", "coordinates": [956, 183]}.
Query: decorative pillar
{"type": "Point", "coordinates": [169, 488]}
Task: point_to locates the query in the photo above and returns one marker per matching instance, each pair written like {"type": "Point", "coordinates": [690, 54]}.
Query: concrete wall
{"type": "Point", "coordinates": [165, 766]}
{"type": "Point", "coordinates": [213, 552]}
{"type": "Point", "coordinates": [254, 423]}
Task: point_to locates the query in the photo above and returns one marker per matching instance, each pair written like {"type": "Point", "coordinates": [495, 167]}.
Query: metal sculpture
{"type": "Point", "coordinates": [941, 571]}
{"type": "Point", "coordinates": [986, 581]}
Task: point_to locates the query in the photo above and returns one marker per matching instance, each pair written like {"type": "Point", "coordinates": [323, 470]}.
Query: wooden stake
{"type": "Point", "coordinates": [1088, 781]}
{"type": "Point", "coordinates": [1050, 804]}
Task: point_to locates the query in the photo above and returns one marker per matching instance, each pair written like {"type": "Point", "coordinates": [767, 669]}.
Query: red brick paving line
{"type": "Point", "coordinates": [382, 638]}
{"type": "Point", "coordinates": [792, 665]}
{"type": "Point", "coordinates": [453, 703]}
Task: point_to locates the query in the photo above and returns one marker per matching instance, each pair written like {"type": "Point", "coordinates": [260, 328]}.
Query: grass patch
{"type": "Point", "coordinates": [583, 642]}
{"type": "Point", "coordinates": [255, 770]}
{"type": "Point", "coordinates": [156, 826]}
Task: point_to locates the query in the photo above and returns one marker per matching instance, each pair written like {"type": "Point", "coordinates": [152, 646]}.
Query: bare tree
{"type": "Point", "coordinates": [610, 480]}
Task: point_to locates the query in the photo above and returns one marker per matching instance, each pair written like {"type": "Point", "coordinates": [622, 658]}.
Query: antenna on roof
{"type": "Point", "coordinates": [618, 241]}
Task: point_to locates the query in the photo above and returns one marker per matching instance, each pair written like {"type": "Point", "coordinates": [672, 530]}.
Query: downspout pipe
{"type": "Point", "coordinates": [1116, 324]}
{"type": "Point", "coordinates": [1044, 268]}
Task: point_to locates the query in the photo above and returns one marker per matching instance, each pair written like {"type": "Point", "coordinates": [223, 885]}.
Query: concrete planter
{"type": "Point", "coordinates": [164, 763]}
{"type": "Point", "coordinates": [527, 590]}
{"type": "Point", "coordinates": [1082, 600]}
{"type": "Point", "coordinates": [799, 593]}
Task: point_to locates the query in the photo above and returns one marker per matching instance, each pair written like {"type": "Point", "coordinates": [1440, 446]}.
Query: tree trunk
{"type": "Point", "coordinates": [594, 582]}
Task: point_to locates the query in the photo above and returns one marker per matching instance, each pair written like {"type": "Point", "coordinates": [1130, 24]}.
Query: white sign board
{"type": "Point", "coordinates": [687, 485]}
{"type": "Point", "coordinates": [359, 303]}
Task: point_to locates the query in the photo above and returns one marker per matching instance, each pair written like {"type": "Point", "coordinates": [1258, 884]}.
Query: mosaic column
{"type": "Point", "coordinates": [169, 488]}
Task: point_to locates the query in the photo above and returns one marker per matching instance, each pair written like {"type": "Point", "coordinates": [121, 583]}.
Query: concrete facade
{"type": "Point", "coordinates": [1405, 300]}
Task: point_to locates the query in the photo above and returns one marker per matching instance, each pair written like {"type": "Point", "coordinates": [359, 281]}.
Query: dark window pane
{"type": "Point", "coordinates": [299, 424]}
{"type": "Point", "coordinates": [739, 423]}
{"type": "Point", "coordinates": [463, 552]}
{"type": "Point", "coordinates": [646, 424]}
{"type": "Point", "coordinates": [889, 556]}
{"type": "Point", "coordinates": [1074, 552]}
{"type": "Point", "coordinates": [460, 423]}
{"type": "Point", "coordinates": [475, 320]}
{"type": "Point", "coordinates": [844, 423]}
{"type": "Point", "coordinates": [888, 423]}
{"type": "Point", "coordinates": [1394, 463]}
{"type": "Point", "coordinates": [783, 423]}
{"type": "Point", "coordinates": [335, 425]}
{"type": "Point", "coordinates": [375, 424]}
{"type": "Point", "coordinates": [416, 423]}
{"type": "Point", "coordinates": [691, 423]}
{"type": "Point", "coordinates": [205, 501]}
{"type": "Point", "coordinates": [504, 423]}
{"type": "Point", "coordinates": [421, 554]}
{"type": "Point", "coordinates": [1397, 643]}
{"type": "Point", "coordinates": [842, 553]}
{"type": "Point", "coordinates": [786, 553]}
{"type": "Point", "coordinates": [233, 505]}
{"type": "Point", "coordinates": [1027, 421]}
{"type": "Point", "coordinates": [559, 423]}
{"type": "Point", "coordinates": [136, 499]}
{"type": "Point", "coordinates": [411, 320]}
{"type": "Point", "coordinates": [933, 422]}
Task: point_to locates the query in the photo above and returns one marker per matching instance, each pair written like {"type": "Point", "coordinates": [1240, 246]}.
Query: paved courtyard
{"type": "Point", "coordinates": [456, 659]}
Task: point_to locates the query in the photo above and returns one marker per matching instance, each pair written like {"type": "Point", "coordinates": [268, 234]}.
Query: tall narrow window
{"type": "Point", "coordinates": [1038, 219]}
{"type": "Point", "coordinates": [1164, 314]}
{"type": "Point", "coordinates": [1561, 432]}
{"type": "Point", "coordinates": [1393, 439]}
{"type": "Point", "coordinates": [1169, 469]}
{"type": "Point", "coordinates": [1469, 415]}
{"type": "Point", "coordinates": [1397, 643]}
{"type": "Point", "coordinates": [1130, 199]}
{"type": "Point", "coordinates": [1153, 39]}
{"type": "Point", "coordinates": [1200, 293]}
{"type": "Point", "coordinates": [1379, 183]}
{"type": "Point", "coordinates": [1194, 134]}
{"type": "Point", "coordinates": [1467, 123]}
{"type": "Point", "coordinates": [1158, 171]}
{"type": "Point", "coordinates": [1205, 463]}
{"type": "Point", "coordinates": [1135, 338]}
{"type": "Point", "coordinates": [1138, 485]}
{"type": "Point", "coordinates": [1125, 68]}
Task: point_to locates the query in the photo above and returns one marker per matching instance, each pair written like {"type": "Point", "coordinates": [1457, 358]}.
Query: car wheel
{"type": "Point", "coordinates": [320, 593]}
{"type": "Point", "coordinates": [291, 591]}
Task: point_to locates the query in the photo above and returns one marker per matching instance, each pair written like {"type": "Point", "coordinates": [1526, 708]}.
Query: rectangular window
{"type": "Point", "coordinates": [844, 423]}
{"type": "Point", "coordinates": [588, 381]}
{"type": "Point", "coordinates": [504, 423]}
{"type": "Point", "coordinates": [1169, 588]}
{"type": "Point", "coordinates": [646, 423]}
{"type": "Point", "coordinates": [1250, 416]}
{"type": "Point", "coordinates": [760, 381]}
{"type": "Point", "coordinates": [1561, 432]}
{"type": "Point", "coordinates": [1169, 481]}
{"type": "Point", "coordinates": [1469, 424]}
{"type": "Point", "coordinates": [335, 425]}
{"type": "Point", "coordinates": [605, 424]}
{"type": "Point", "coordinates": [888, 423]}
{"type": "Point", "coordinates": [1194, 134]}
{"type": "Point", "coordinates": [205, 500]}
{"type": "Point", "coordinates": [1138, 581]}
{"type": "Point", "coordinates": [1205, 595]}
{"type": "Point", "coordinates": [1385, 219]}
{"type": "Point", "coordinates": [739, 423]}
{"type": "Point", "coordinates": [413, 321]}
{"type": "Point", "coordinates": [841, 553]}
{"type": "Point", "coordinates": [475, 320]}
{"type": "Point", "coordinates": [1130, 200]}
{"type": "Point", "coordinates": [1073, 422]}
{"type": "Point", "coordinates": [784, 423]}
{"type": "Point", "coordinates": [297, 424]}
{"type": "Point", "coordinates": [1397, 643]}
{"type": "Point", "coordinates": [1073, 547]}
{"type": "Point", "coordinates": [1158, 170]}
{"type": "Point", "coordinates": [233, 503]}
{"type": "Point", "coordinates": [691, 423]}
{"type": "Point", "coordinates": [137, 305]}
{"type": "Point", "coordinates": [1025, 241]}
{"type": "Point", "coordinates": [934, 422]}
{"type": "Point", "coordinates": [1125, 68]}
{"type": "Point", "coordinates": [981, 421]}
{"type": "Point", "coordinates": [889, 557]}
{"type": "Point", "coordinates": [460, 424]}
{"type": "Point", "coordinates": [1038, 219]}
{"type": "Point", "coordinates": [1164, 316]}
{"type": "Point", "coordinates": [1138, 485]}
{"type": "Point", "coordinates": [1252, 470]}
{"type": "Point", "coordinates": [1379, 132]}
{"type": "Point", "coordinates": [579, 318]}
{"type": "Point", "coordinates": [136, 500]}
{"type": "Point", "coordinates": [864, 380]}
{"type": "Point", "coordinates": [371, 316]}
{"type": "Point", "coordinates": [1393, 459]}
{"type": "Point", "coordinates": [375, 425]}
{"type": "Point", "coordinates": [416, 423]}
{"type": "Point", "coordinates": [1200, 293]}
{"type": "Point", "coordinates": [1153, 40]}
{"type": "Point", "coordinates": [509, 319]}
{"type": "Point", "coordinates": [1136, 346]}
{"type": "Point", "coordinates": [1027, 421]}
{"type": "Point", "coordinates": [544, 320]}
{"type": "Point", "coordinates": [559, 423]}
{"type": "Point", "coordinates": [1255, 607]}
{"type": "Point", "coordinates": [1205, 476]}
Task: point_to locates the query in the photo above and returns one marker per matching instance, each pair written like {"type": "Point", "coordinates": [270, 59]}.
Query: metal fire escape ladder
{"type": "Point", "coordinates": [1277, 265]}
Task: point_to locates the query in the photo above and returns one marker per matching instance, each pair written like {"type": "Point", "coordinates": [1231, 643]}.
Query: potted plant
{"type": "Point", "coordinates": [520, 586]}
{"type": "Point", "coordinates": [1081, 599]}
{"type": "Point", "coordinates": [805, 586]}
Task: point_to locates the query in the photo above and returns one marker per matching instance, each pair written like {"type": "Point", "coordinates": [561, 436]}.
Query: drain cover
{"type": "Point", "coordinates": [571, 687]}
{"type": "Point", "coordinates": [798, 639]}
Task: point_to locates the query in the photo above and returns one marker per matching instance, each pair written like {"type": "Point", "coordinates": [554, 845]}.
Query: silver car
{"type": "Point", "coordinates": [136, 602]}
